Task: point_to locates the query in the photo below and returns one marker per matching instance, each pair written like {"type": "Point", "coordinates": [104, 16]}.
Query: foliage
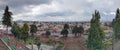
{"type": "Point", "coordinates": [33, 29]}
{"type": "Point", "coordinates": [61, 42]}
{"type": "Point", "coordinates": [48, 33]}
{"type": "Point", "coordinates": [6, 19]}
{"type": "Point", "coordinates": [116, 25]}
{"type": "Point", "coordinates": [77, 30]}
{"type": "Point", "coordinates": [30, 41]}
{"type": "Point", "coordinates": [66, 26]}
{"type": "Point", "coordinates": [16, 30]}
{"type": "Point", "coordinates": [25, 31]}
{"type": "Point", "coordinates": [80, 29]}
{"type": "Point", "coordinates": [96, 34]}
{"type": "Point", "coordinates": [50, 42]}
{"type": "Point", "coordinates": [108, 43]}
{"type": "Point", "coordinates": [59, 47]}
{"type": "Point", "coordinates": [64, 32]}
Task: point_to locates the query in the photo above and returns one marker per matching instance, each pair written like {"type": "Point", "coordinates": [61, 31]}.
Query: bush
{"type": "Point", "coordinates": [30, 41]}
{"type": "Point", "coordinates": [59, 47]}
{"type": "Point", "coordinates": [108, 43]}
{"type": "Point", "coordinates": [61, 42]}
{"type": "Point", "coordinates": [50, 42]}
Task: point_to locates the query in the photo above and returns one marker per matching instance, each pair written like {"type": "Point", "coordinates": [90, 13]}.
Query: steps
{"type": "Point", "coordinates": [12, 46]}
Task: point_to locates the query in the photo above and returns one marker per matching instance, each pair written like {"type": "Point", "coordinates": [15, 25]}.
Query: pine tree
{"type": "Point", "coordinates": [66, 26]}
{"type": "Point", "coordinates": [96, 34]}
{"type": "Point", "coordinates": [116, 25]}
{"type": "Point", "coordinates": [7, 19]}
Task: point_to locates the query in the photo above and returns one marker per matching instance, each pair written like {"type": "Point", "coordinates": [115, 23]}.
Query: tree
{"type": "Point", "coordinates": [116, 25]}
{"type": "Point", "coordinates": [48, 33]}
{"type": "Point", "coordinates": [25, 31]}
{"type": "Point", "coordinates": [33, 29]}
{"type": "Point", "coordinates": [96, 34]}
{"type": "Point", "coordinates": [16, 30]}
{"type": "Point", "coordinates": [7, 19]}
{"type": "Point", "coordinates": [75, 30]}
{"type": "Point", "coordinates": [64, 32]}
{"type": "Point", "coordinates": [80, 30]}
{"type": "Point", "coordinates": [66, 26]}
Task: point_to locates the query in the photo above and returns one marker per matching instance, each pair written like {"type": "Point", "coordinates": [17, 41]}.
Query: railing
{"type": "Point", "coordinates": [6, 44]}
{"type": "Point", "coordinates": [11, 47]}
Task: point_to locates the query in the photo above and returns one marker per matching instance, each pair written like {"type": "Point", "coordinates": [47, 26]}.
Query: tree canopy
{"type": "Point", "coordinates": [48, 33]}
{"type": "Point", "coordinates": [16, 30]}
{"type": "Point", "coordinates": [96, 34]}
{"type": "Point", "coordinates": [33, 29]}
{"type": "Point", "coordinates": [7, 19]}
{"type": "Point", "coordinates": [64, 32]}
{"type": "Point", "coordinates": [77, 30]}
{"type": "Point", "coordinates": [116, 25]}
{"type": "Point", "coordinates": [25, 31]}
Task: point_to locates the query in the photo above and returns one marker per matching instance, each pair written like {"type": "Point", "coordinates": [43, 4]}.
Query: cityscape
{"type": "Point", "coordinates": [59, 25]}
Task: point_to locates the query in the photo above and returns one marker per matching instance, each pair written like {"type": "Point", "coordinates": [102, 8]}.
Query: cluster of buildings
{"type": "Point", "coordinates": [56, 27]}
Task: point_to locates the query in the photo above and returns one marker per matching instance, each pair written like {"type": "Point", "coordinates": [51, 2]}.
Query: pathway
{"type": "Point", "coordinates": [72, 44]}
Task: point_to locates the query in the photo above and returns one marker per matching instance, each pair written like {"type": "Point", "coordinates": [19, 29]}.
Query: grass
{"type": "Point", "coordinates": [59, 47]}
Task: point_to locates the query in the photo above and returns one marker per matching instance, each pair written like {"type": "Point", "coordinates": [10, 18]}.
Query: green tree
{"type": "Point", "coordinates": [75, 30]}
{"type": "Point", "coordinates": [16, 30]}
{"type": "Point", "coordinates": [116, 25]}
{"type": "Point", "coordinates": [33, 29]}
{"type": "Point", "coordinates": [25, 32]}
{"type": "Point", "coordinates": [48, 33]}
{"type": "Point", "coordinates": [96, 34]}
{"type": "Point", "coordinates": [80, 30]}
{"type": "Point", "coordinates": [64, 32]}
{"type": "Point", "coordinates": [66, 26]}
{"type": "Point", "coordinates": [7, 19]}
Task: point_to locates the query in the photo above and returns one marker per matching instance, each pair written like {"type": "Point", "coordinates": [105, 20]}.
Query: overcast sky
{"type": "Point", "coordinates": [60, 10]}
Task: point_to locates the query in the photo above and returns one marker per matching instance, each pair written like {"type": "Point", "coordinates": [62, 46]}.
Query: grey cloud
{"type": "Point", "coordinates": [57, 14]}
{"type": "Point", "coordinates": [19, 3]}
{"type": "Point", "coordinates": [17, 6]}
{"type": "Point", "coordinates": [72, 8]}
